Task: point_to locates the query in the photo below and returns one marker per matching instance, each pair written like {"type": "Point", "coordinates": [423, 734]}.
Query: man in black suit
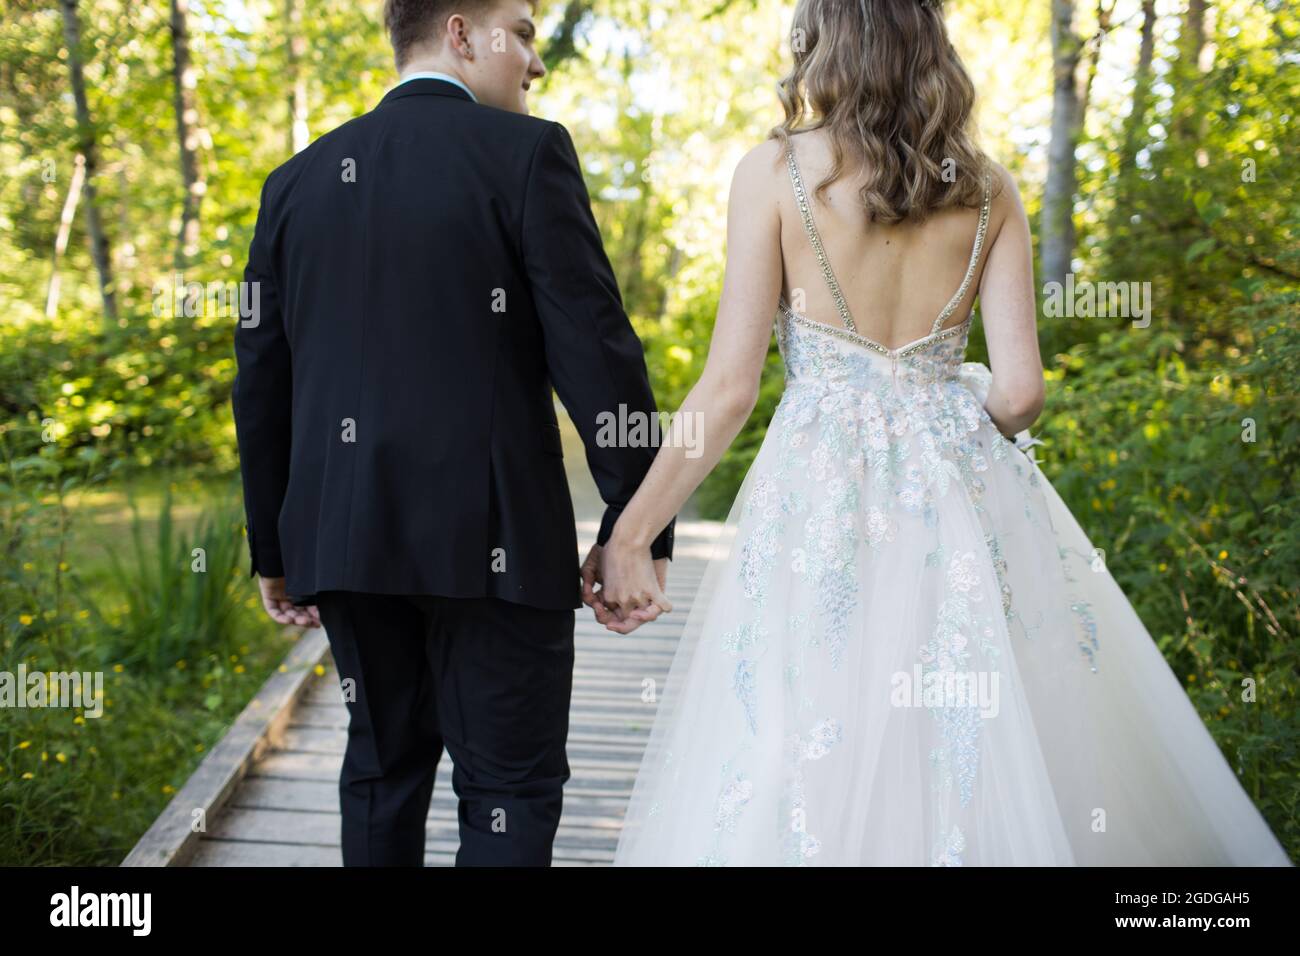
{"type": "Point", "coordinates": [424, 274]}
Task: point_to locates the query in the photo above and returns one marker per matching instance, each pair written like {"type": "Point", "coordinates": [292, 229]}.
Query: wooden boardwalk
{"type": "Point", "coordinates": [285, 810]}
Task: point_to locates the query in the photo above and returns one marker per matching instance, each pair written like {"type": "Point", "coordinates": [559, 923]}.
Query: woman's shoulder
{"type": "Point", "coordinates": [758, 169]}
{"type": "Point", "coordinates": [1005, 205]}
{"type": "Point", "coordinates": [767, 162]}
{"type": "Point", "coordinates": [1005, 192]}
{"type": "Point", "coordinates": [766, 157]}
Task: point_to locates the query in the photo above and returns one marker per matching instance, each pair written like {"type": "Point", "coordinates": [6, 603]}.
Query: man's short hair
{"type": "Point", "coordinates": [412, 22]}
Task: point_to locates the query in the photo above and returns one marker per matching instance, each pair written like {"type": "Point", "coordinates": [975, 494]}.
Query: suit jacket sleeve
{"type": "Point", "coordinates": [593, 356]}
{"type": "Point", "coordinates": [262, 400]}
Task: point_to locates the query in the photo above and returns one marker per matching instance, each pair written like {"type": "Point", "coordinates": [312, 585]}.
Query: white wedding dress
{"type": "Point", "coordinates": [888, 551]}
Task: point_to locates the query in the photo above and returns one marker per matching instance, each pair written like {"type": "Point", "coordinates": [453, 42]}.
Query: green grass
{"type": "Point", "coordinates": [105, 582]}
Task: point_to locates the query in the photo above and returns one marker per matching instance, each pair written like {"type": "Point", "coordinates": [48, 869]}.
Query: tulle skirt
{"type": "Point", "coordinates": [956, 684]}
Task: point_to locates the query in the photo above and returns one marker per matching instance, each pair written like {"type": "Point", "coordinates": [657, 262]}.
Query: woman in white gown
{"type": "Point", "coordinates": [905, 650]}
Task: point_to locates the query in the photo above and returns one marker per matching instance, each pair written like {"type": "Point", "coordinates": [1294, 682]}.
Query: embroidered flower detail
{"type": "Point", "coordinates": [735, 794]}
{"type": "Point", "coordinates": [880, 527]}
{"type": "Point", "coordinates": [1089, 647]}
{"type": "Point", "coordinates": [746, 691]}
{"type": "Point", "coordinates": [949, 852]}
{"type": "Point", "coordinates": [963, 575]}
{"type": "Point", "coordinates": [744, 637]}
{"type": "Point", "coordinates": [801, 845]}
{"type": "Point", "coordinates": [820, 739]}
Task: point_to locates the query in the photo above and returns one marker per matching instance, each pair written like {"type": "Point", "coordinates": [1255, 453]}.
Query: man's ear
{"type": "Point", "coordinates": [458, 35]}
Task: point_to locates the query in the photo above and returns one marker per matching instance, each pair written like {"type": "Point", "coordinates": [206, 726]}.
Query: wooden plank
{"type": "Point", "coordinates": [581, 724]}
{"type": "Point", "coordinates": [171, 839]}
{"type": "Point", "coordinates": [316, 796]}
{"type": "Point", "coordinates": [294, 828]}
{"type": "Point", "coordinates": [309, 766]}
{"type": "Point", "coordinates": [241, 853]}
{"type": "Point", "coordinates": [237, 853]}
{"type": "Point", "coordinates": [580, 753]}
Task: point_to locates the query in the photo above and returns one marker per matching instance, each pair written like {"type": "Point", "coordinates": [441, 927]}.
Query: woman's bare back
{"type": "Point", "coordinates": [896, 280]}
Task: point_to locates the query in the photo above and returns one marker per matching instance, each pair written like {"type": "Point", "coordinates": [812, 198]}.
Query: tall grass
{"type": "Point", "coordinates": [180, 650]}
{"type": "Point", "coordinates": [181, 590]}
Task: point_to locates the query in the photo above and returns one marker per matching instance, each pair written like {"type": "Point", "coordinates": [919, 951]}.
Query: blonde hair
{"type": "Point", "coordinates": [883, 79]}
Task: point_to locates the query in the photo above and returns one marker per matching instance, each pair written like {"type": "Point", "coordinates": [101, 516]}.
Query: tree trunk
{"type": "Point", "coordinates": [65, 230]}
{"type": "Point", "coordinates": [1136, 119]}
{"type": "Point", "coordinates": [1191, 41]}
{"type": "Point", "coordinates": [1056, 242]}
{"type": "Point", "coordinates": [88, 148]}
{"type": "Point", "coordinates": [1104, 14]}
{"type": "Point", "coordinates": [1135, 124]}
{"type": "Point", "coordinates": [187, 134]}
{"type": "Point", "coordinates": [1186, 132]}
{"type": "Point", "coordinates": [561, 45]}
{"type": "Point", "coordinates": [295, 47]}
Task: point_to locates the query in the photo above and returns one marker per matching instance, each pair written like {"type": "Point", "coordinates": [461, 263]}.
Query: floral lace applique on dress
{"type": "Point", "coordinates": [951, 691]}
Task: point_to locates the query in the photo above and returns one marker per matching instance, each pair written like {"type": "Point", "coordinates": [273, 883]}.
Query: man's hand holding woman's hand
{"type": "Point", "coordinates": [632, 585]}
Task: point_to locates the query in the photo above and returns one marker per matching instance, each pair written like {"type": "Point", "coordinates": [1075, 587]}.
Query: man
{"type": "Point", "coordinates": [425, 273]}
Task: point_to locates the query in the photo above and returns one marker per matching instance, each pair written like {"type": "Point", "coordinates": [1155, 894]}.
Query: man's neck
{"type": "Point", "coordinates": [437, 71]}
{"type": "Point", "coordinates": [430, 66]}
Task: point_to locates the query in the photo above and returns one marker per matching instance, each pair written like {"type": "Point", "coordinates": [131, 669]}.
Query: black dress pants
{"type": "Point", "coordinates": [488, 679]}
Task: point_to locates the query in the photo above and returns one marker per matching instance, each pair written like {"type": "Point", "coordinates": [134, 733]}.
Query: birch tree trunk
{"type": "Point", "coordinates": [187, 133]}
{"type": "Point", "coordinates": [1056, 239]}
{"type": "Point", "coordinates": [88, 148]}
{"type": "Point", "coordinates": [65, 230]}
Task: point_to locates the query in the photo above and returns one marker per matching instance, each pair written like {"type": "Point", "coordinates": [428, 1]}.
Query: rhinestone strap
{"type": "Point", "coordinates": [974, 259]}
{"type": "Point", "coordinates": [805, 210]}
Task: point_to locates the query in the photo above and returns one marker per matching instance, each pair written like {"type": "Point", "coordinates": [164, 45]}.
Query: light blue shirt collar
{"type": "Point", "coordinates": [438, 76]}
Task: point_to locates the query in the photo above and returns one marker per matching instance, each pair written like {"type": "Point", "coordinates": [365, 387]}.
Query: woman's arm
{"type": "Point", "coordinates": [721, 401]}
{"type": "Point", "coordinates": [1009, 310]}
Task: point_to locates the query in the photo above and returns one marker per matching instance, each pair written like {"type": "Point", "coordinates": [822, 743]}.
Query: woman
{"type": "Point", "coordinates": [906, 651]}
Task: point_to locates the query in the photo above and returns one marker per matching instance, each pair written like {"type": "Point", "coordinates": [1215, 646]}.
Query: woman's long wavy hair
{"type": "Point", "coordinates": [883, 79]}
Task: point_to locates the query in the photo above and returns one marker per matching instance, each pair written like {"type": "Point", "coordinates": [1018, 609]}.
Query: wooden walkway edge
{"type": "Point", "coordinates": [173, 838]}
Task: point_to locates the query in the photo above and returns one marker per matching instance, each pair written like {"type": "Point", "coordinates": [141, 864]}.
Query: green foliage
{"type": "Point", "coordinates": [78, 786]}
{"type": "Point", "coordinates": [1178, 446]}
{"type": "Point", "coordinates": [156, 393]}
{"type": "Point", "coordinates": [182, 597]}
{"type": "Point", "coordinates": [1180, 462]}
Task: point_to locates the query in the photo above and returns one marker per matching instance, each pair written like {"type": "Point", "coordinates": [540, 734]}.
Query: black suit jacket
{"type": "Point", "coordinates": [425, 273]}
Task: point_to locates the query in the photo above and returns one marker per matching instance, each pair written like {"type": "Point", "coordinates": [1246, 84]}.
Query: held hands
{"type": "Point", "coordinates": [281, 609]}
{"type": "Point", "coordinates": [632, 586]}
